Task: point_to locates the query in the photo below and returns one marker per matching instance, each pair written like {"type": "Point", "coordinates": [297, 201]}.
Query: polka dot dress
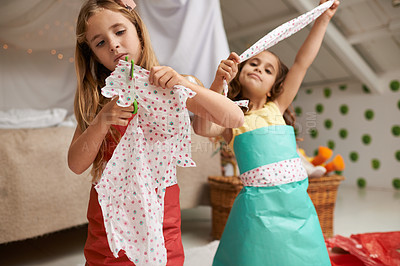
{"type": "Point", "coordinates": [132, 187]}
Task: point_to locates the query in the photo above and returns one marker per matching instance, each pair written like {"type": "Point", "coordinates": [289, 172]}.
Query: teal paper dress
{"type": "Point", "coordinates": [273, 220]}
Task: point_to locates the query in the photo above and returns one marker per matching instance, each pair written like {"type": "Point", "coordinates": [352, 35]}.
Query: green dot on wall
{"type": "Point", "coordinates": [366, 139]}
{"type": "Point", "coordinates": [366, 89]}
{"type": "Point", "coordinates": [313, 133]}
{"type": "Point", "coordinates": [361, 182]}
{"type": "Point", "coordinates": [397, 155]}
{"type": "Point", "coordinates": [309, 91]}
{"type": "Point", "coordinates": [315, 152]}
{"type": "Point", "coordinates": [398, 104]}
{"type": "Point", "coordinates": [343, 87]}
{"type": "Point", "coordinates": [394, 85]}
{"type": "Point", "coordinates": [319, 108]}
{"type": "Point", "coordinates": [396, 183]}
{"type": "Point", "coordinates": [353, 156]}
{"type": "Point", "coordinates": [396, 130]}
{"type": "Point", "coordinates": [344, 109]}
{"type": "Point", "coordinates": [331, 144]}
{"type": "Point", "coordinates": [298, 110]}
{"type": "Point", "coordinates": [327, 92]}
{"type": "Point", "coordinates": [343, 133]}
{"type": "Point", "coordinates": [375, 163]}
{"type": "Point", "coordinates": [369, 114]}
{"type": "Point", "coordinates": [328, 123]}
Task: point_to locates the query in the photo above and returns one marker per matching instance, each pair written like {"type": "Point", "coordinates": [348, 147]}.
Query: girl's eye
{"type": "Point", "coordinates": [120, 32]}
{"type": "Point", "coordinates": [253, 64]}
{"type": "Point", "coordinates": [99, 43]}
{"type": "Point", "coordinates": [268, 71]}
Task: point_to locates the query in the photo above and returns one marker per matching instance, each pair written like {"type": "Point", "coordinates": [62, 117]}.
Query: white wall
{"type": "Point", "coordinates": [384, 143]}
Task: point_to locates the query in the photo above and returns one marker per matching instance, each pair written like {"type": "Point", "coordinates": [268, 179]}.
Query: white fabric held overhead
{"type": "Point", "coordinates": [280, 33]}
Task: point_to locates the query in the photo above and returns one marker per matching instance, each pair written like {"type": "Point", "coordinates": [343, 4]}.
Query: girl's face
{"type": "Point", "coordinates": [258, 75]}
{"type": "Point", "coordinates": [112, 37]}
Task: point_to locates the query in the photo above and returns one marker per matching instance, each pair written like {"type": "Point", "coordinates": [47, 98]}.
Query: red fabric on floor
{"type": "Point", "coordinates": [344, 260]}
{"type": "Point", "coordinates": [370, 248]}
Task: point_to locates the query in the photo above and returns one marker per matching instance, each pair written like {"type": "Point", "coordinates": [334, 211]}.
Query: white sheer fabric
{"type": "Point", "coordinates": [187, 35]}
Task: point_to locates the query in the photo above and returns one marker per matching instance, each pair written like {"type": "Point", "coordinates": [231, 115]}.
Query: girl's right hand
{"type": "Point", "coordinates": [113, 114]}
{"type": "Point", "coordinates": [227, 70]}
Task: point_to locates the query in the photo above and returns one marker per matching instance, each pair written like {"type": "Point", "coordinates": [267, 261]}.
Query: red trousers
{"type": "Point", "coordinates": [97, 251]}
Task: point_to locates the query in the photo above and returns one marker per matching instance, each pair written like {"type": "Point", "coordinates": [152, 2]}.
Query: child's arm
{"type": "Point", "coordinates": [202, 126]}
{"type": "Point", "coordinates": [85, 145]}
{"type": "Point", "coordinates": [304, 58]}
{"type": "Point", "coordinates": [206, 103]}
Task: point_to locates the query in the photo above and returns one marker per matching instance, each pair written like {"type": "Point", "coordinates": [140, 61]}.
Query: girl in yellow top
{"type": "Point", "coordinates": [272, 221]}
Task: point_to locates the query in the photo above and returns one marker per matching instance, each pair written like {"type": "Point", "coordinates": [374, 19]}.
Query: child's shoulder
{"type": "Point", "coordinates": [269, 107]}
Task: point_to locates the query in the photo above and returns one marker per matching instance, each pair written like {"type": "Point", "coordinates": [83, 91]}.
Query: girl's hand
{"type": "Point", "coordinates": [332, 10]}
{"type": "Point", "coordinates": [165, 77]}
{"type": "Point", "coordinates": [227, 70]}
{"type": "Point", "coordinates": [112, 114]}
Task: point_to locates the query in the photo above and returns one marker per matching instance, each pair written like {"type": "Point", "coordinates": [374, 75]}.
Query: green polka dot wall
{"type": "Point", "coordinates": [343, 133]}
{"type": "Point", "coordinates": [366, 139]}
{"type": "Point", "coordinates": [361, 182]}
{"type": "Point", "coordinates": [298, 111]}
{"type": "Point", "coordinates": [335, 132]}
{"type": "Point", "coordinates": [369, 114]}
{"type": "Point", "coordinates": [327, 92]}
{"type": "Point", "coordinates": [394, 85]}
{"type": "Point", "coordinates": [319, 108]}
{"type": "Point", "coordinates": [344, 109]}
{"type": "Point", "coordinates": [396, 130]}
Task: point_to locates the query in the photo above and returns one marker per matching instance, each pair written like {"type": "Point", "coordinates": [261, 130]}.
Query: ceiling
{"type": "Point", "coordinates": [362, 42]}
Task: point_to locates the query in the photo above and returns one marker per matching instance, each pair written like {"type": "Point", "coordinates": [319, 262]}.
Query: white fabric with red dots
{"type": "Point", "coordinates": [132, 187]}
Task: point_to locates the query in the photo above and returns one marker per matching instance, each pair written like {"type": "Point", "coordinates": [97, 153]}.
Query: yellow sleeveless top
{"type": "Point", "coordinates": [269, 115]}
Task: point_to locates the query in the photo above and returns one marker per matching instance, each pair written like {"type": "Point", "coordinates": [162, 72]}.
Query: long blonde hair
{"type": "Point", "coordinates": [91, 74]}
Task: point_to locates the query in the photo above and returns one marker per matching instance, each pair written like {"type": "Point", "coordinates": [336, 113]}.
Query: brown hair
{"type": "Point", "coordinates": [235, 89]}
{"type": "Point", "coordinates": [91, 74]}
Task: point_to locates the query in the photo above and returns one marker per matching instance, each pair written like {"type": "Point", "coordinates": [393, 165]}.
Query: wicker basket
{"type": "Point", "coordinates": [224, 189]}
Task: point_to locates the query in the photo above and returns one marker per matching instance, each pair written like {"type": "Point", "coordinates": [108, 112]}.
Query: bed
{"type": "Point", "coordinates": [40, 195]}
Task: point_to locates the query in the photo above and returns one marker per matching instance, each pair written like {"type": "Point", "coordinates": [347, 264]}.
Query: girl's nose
{"type": "Point", "coordinates": [114, 46]}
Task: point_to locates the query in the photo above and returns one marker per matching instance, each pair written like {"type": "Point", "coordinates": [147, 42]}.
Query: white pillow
{"type": "Point", "coordinates": [31, 118]}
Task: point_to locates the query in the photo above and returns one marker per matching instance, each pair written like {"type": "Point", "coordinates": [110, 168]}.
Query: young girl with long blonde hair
{"type": "Point", "coordinates": [108, 31]}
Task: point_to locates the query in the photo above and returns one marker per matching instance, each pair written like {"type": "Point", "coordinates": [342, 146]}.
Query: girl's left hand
{"type": "Point", "coordinates": [165, 77]}
{"type": "Point", "coordinates": [332, 10]}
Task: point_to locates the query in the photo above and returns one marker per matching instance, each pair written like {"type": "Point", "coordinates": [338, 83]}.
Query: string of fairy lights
{"type": "Point", "coordinates": [57, 31]}
{"type": "Point", "coordinates": [54, 52]}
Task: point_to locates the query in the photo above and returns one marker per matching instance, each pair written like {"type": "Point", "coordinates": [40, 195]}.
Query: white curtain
{"type": "Point", "coordinates": [37, 39]}
{"type": "Point", "coordinates": [187, 35]}
{"type": "Point", "coordinates": [37, 48]}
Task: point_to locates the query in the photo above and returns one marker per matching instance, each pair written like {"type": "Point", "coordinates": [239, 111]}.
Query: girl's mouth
{"type": "Point", "coordinates": [253, 75]}
{"type": "Point", "coordinates": [120, 57]}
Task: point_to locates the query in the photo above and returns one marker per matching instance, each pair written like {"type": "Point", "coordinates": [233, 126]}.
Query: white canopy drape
{"type": "Point", "coordinates": [187, 35]}
{"type": "Point", "coordinates": [37, 40]}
